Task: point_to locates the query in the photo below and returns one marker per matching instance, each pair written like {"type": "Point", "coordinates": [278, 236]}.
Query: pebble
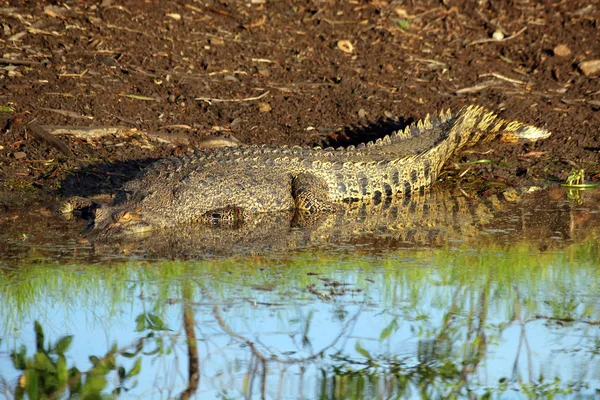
{"type": "Point", "coordinates": [561, 51]}
{"type": "Point", "coordinates": [264, 107]}
{"type": "Point", "coordinates": [345, 46]}
{"type": "Point", "coordinates": [498, 35]}
{"type": "Point", "coordinates": [388, 68]}
{"type": "Point", "coordinates": [230, 78]}
{"type": "Point", "coordinates": [19, 155]}
{"type": "Point", "coordinates": [589, 67]}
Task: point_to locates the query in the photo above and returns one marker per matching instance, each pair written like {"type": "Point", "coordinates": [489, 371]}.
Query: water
{"type": "Point", "coordinates": [442, 297]}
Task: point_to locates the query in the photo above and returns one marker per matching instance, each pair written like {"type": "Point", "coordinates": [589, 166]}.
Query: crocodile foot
{"type": "Point", "coordinates": [76, 204]}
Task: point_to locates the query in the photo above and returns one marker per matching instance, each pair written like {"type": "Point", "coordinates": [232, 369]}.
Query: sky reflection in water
{"type": "Point", "coordinates": [511, 312]}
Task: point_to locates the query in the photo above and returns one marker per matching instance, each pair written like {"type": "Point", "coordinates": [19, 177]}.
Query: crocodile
{"type": "Point", "coordinates": [231, 184]}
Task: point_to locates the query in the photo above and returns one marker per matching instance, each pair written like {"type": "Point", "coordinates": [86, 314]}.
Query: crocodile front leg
{"type": "Point", "coordinates": [311, 194]}
{"type": "Point", "coordinates": [76, 203]}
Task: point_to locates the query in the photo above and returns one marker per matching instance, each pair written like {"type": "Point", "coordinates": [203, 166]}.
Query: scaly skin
{"type": "Point", "coordinates": [234, 183]}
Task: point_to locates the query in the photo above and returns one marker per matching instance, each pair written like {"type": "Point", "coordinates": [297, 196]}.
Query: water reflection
{"type": "Point", "coordinates": [505, 304]}
{"type": "Point", "coordinates": [434, 219]}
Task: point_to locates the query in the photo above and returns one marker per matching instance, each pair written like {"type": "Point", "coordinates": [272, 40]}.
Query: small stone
{"type": "Point", "coordinates": [589, 67]}
{"type": "Point", "coordinates": [235, 123]}
{"type": "Point", "coordinates": [262, 70]}
{"type": "Point", "coordinates": [230, 78]}
{"type": "Point", "coordinates": [401, 12]}
{"type": "Point", "coordinates": [345, 46]}
{"type": "Point", "coordinates": [216, 42]}
{"type": "Point", "coordinates": [388, 67]}
{"type": "Point", "coordinates": [264, 107]}
{"type": "Point", "coordinates": [19, 155]}
{"type": "Point", "coordinates": [362, 114]}
{"type": "Point", "coordinates": [498, 35]}
{"type": "Point", "coordinates": [175, 16]}
{"type": "Point", "coordinates": [561, 51]}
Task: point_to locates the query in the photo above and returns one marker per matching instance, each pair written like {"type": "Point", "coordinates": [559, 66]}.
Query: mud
{"type": "Point", "coordinates": [170, 74]}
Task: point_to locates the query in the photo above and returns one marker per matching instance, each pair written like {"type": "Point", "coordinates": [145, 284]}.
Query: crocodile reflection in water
{"type": "Point", "coordinates": [429, 219]}
{"type": "Point", "coordinates": [545, 220]}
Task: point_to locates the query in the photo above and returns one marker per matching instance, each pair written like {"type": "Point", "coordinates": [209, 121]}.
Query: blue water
{"type": "Point", "coordinates": [506, 313]}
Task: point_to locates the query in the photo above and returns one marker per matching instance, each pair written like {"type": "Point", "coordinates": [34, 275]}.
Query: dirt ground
{"type": "Point", "coordinates": [154, 78]}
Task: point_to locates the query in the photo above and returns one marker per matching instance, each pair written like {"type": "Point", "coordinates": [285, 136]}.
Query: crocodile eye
{"type": "Point", "coordinates": [126, 216]}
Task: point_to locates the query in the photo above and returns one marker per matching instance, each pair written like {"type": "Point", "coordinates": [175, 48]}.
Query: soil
{"type": "Point", "coordinates": [170, 74]}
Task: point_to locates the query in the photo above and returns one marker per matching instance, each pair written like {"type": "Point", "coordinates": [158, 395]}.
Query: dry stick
{"type": "Point", "coordinates": [480, 41]}
{"type": "Point", "coordinates": [18, 62]}
{"type": "Point", "coordinates": [210, 100]}
{"type": "Point", "coordinates": [73, 75]}
{"type": "Point", "coordinates": [472, 89]}
{"type": "Point", "coordinates": [273, 357]}
{"type": "Point", "coordinates": [67, 113]}
{"type": "Point", "coordinates": [505, 78]}
{"type": "Point", "coordinates": [84, 132]}
{"type": "Point", "coordinates": [98, 132]}
{"type": "Point", "coordinates": [566, 320]}
{"type": "Point", "coordinates": [193, 359]}
{"type": "Point", "coordinates": [42, 134]}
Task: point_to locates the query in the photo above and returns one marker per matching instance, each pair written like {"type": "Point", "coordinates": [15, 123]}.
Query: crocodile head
{"type": "Point", "coordinates": [111, 223]}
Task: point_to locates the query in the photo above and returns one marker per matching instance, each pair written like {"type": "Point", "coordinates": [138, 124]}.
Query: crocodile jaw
{"type": "Point", "coordinates": [110, 224]}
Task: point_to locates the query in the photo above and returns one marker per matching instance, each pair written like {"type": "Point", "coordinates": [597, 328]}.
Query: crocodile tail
{"type": "Point", "coordinates": [475, 124]}
{"type": "Point", "coordinates": [469, 126]}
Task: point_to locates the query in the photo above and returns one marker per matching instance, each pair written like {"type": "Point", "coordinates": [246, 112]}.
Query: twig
{"type": "Point", "coordinates": [18, 62]}
{"type": "Point", "coordinates": [98, 132]}
{"type": "Point", "coordinates": [67, 113]}
{"type": "Point", "coordinates": [213, 100]}
{"type": "Point", "coordinates": [488, 40]}
{"type": "Point", "coordinates": [72, 75]}
{"type": "Point", "coordinates": [499, 76]}
{"type": "Point", "coordinates": [42, 134]}
{"type": "Point", "coordinates": [430, 61]}
{"type": "Point", "coordinates": [273, 356]}
{"type": "Point", "coordinates": [567, 320]}
{"type": "Point", "coordinates": [84, 132]}
{"type": "Point", "coordinates": [472, 89]}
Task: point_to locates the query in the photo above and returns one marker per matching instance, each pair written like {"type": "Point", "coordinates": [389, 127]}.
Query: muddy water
{"type": "Point", "coordinates": [437, 296]}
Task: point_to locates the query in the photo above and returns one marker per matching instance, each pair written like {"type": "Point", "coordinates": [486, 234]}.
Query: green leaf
{"type": "Point", "coordinates": [153, 352]}
{"type": "Point", "coordinates": [140, 321]}
{"type": "Point", "coordinates": [39, 336]}
{"type": "Point", "coordinates": [388, 330]}
{"type": "Point", "coordinates": [62, 345]}
{"type": "Point", "coordinates": [137, 367]}
{"type": "Point", "coordinates": [19, 358]}
{"type": "Point", "coordinates": [94, 360]}
{"type": "Point", "coordinates": [361, 350]}
{"type": "Point", "coordinates": [155, 322]}
{"type": "Point", "coordinates": [43, 362]}
{"type": "Point", "coordinates": [76, 385]}
{"type": "Point", "coordinates": [94, 384]}
{"type": "Point", "coordinates": [105, 365]}
{"type": "Point", "coordinates": [62, 373]}
{"type": "Point", "coordinates": [32, 384]}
